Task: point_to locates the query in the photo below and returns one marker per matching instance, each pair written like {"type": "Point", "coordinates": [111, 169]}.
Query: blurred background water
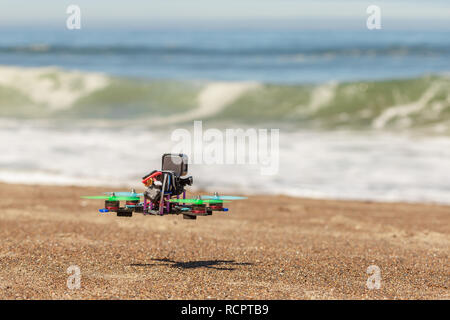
{"type": "Point", "coordinates": [267, 56]}
{"type": "Point", "coordinates": [362, 114]}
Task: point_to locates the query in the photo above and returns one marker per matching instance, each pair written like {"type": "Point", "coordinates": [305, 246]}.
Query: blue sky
{"type": "Point", "coordinates": [398, 14]}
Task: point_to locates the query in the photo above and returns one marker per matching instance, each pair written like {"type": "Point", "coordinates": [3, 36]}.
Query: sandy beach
{"type": "Point", "coordinates": [265, 248]}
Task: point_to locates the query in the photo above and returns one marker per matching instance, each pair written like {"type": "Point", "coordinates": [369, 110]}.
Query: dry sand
{"type": "Point", "coordinates": [264, 248]}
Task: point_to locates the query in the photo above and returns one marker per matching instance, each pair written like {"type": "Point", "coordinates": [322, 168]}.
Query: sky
{"type": "Point", "coordinates": [398, 14]}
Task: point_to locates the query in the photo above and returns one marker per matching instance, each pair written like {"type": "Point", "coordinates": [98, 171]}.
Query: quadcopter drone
{"type": "Point", "coordinates": [165, 194]}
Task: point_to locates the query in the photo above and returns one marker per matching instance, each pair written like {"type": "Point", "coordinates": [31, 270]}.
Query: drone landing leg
{"type": "Point", "coordinates": [161, 200]}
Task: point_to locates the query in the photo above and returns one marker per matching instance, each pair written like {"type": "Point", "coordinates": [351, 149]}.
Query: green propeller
{"type": "Point", "coordinates": [196, 201]}
{"type": "Point", "coordinates": [112, 198]}
{"type": "Point", "coordinates": [125, 194]}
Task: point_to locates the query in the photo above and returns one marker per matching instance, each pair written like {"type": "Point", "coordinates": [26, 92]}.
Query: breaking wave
{"type": "Point", "coordinates": [49, 119]}
{"type": "Point", "coordinates": [54, 93]}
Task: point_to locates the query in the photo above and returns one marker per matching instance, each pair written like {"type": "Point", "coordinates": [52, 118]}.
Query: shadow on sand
{"type": "Point", "coordinates": [211, 264]}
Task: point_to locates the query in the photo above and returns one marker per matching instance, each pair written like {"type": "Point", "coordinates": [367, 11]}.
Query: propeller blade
{"type": "Point", "coordinates": [126, 194]}
{"type": "Point", "coordinates": [196, 201]}
{"type": "Point", "coordinates": [96, 197]}
{"type": "Point", "coordinates": [111, 198]}
{"type": "Point", "coordinates": [224, 197]}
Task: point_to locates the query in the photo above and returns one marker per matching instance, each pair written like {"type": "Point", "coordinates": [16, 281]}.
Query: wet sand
{"type": "Point", "coordinates": [264, 248]}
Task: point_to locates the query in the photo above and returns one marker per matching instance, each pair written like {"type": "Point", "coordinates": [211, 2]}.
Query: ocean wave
{"type": "Point", "coordinates": [229, 51]}
{"type": "Point", "coordinates": [53, 93]}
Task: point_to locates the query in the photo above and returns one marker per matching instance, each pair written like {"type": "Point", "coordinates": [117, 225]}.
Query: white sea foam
{"type": "Point", "coordinates": [51, 86]}
{"type": "Point", "coordinates": [320, 96]}
{"type": "Point", "coordinates": [212, 99]}
{"type": "Point", "coordinates": [404, 110]}
{"type": "Point", "coordinates": [314, 164]}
